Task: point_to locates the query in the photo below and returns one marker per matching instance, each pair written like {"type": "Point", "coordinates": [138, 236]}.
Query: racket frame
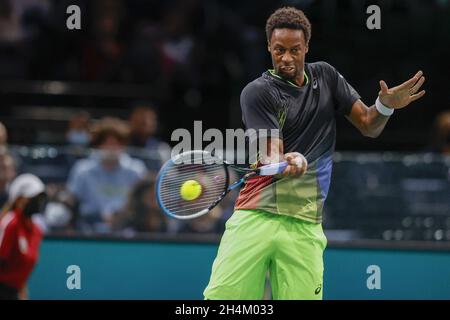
{"type": "Point", "coordinates": [270, 169]}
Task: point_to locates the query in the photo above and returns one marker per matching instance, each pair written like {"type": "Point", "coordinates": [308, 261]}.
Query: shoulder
{"type": "Point", "coordinates": [322, 67]}
{"type": "Point", "coordinates": [259, 86]}
{"type": "Point", "coordinates": [133, 165]}
{"type": "Point", "coordinates": [83, 165]}
{"type": "Point", "coordinates": [256, 92]}
{"type": "Point", "coordinates": [80, 174]}
{"type": "Point", "coordinates": [325, 73]}
{"type": "Point", "coordinates": [260, 83]}
{"type": "Point", "coordinates": [8, 221]}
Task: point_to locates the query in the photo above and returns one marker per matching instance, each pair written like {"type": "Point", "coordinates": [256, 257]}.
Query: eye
{"type": "Point", "coordinates": [294, 51]}
{"type": "Point", "coordinates": [279, 50]}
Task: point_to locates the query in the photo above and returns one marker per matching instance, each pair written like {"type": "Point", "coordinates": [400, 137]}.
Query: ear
{"type": "Point", "coordinates": [306, 49]}
{"type": "Point", "coordinates": [268, 46]}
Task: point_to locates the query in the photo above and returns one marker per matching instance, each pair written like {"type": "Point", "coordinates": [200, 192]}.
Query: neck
{"type": "Point", "coordinates": [300, 79]}
{"type": "Point", "coordinates": [110, 165]}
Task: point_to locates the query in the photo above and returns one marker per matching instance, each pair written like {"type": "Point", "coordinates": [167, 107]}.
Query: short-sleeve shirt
{"type": "Point", "coordinates": [101, 192]}
{"type": "Point", "coordinates": [306, 119]}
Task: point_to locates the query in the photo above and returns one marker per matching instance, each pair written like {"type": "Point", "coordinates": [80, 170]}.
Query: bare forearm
{"type": "Point", "coordinates": [297, 163]}
{"type": "Point", "coordinates": [375, 122]}
{"type": "Point", "coordinates": [273, 152]}
{"type": "Point", "coordinates": [369, 121]}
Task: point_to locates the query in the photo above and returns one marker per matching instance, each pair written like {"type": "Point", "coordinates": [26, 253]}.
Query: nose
{"type": "Point", "coordinates": [287, 58]}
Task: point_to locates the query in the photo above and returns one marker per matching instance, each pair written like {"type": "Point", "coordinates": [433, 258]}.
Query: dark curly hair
{"type": "Point", "coordinates": [291, 18]}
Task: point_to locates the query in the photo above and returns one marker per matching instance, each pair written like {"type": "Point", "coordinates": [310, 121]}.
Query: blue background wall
{"type": "Point", "coordinates": [155, 270]}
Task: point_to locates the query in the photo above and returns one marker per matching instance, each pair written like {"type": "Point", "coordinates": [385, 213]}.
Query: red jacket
{"type": "Point", "coordinates": [20, 239]}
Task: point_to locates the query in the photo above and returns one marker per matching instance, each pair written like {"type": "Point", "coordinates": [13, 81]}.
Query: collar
{"type": "Point", "coordinates": [305, 82]}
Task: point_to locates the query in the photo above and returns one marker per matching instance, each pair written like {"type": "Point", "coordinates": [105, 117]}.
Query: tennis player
{"type": "Point", "coordinates": [276, 225]}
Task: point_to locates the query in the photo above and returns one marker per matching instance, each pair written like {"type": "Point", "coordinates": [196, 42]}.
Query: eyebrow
{"type": "Point", "coordinates": [293, 47]}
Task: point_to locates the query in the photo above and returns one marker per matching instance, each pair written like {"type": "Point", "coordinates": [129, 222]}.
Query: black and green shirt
{"type": "Point", "coordinates": [306, 119]}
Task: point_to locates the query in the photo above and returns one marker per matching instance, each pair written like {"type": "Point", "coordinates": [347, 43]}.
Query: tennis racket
{"type": "Point", "coordinates": [211, 173]}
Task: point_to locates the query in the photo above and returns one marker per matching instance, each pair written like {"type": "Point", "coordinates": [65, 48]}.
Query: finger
{"type": "Point", "coordinates": [291, 170]}
{"type": "Point", "coordinates": [305, 166]}
{"type": "Point", "coordinates": [302, 166]}
{"type": "Point", "coordinates": [288, 171]}
{"type": "Point", "coordinates": [297, 171]}
{"type": "Point", "coordinates": [301, 170]}
{"type": "Point", "coordinates": [417, 86]}
{"type": "Point", "coordinates": [418, 74]}
{"type": "Point", "coordinates": [408, 84]}
{"type": "Point", "coordinates": [416, 96]}
{"type": "Point", "coordinates": [384, 87]}
{"type": "Point", "coordinates": [289, 158]}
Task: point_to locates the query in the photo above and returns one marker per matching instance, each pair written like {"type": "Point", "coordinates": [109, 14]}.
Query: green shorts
{"type": "Point", "coordinates": [255, 242]}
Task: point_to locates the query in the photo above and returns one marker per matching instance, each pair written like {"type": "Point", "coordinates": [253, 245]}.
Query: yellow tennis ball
{"type": "Point", "coordinates": [190, 190]}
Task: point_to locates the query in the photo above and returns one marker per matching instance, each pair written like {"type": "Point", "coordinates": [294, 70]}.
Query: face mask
{"type": "Point", "coordinates": [109, 158]}
{"type": "Point", "coordinates": [35, 205]}
{"type": "Point", "coordinates": [78, 137]}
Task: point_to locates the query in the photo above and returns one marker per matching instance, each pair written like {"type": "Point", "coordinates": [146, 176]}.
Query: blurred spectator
{"type": "Point", "coordinates": [102, 56]}
{"type": "Point", "coordinates": [7, 174]}
{"type": "Point", "coordinates": [10, 30]}
{"type": "Point", "coordinates": [3, 135]}
{"type": "Point", "coordinates": [208, 223]}
{"type": "Point", "coordinates": [20, 235]}
{"type": "Point", "coordinates": [101, 183]}
{"type": "Point", "coordinates": [142, 213]}
{"type": "Point", "coordinates": [440, 140]}
{"type": "Point", "coordinates": [78, 130]}
{"type": "Point", "coordinates": [58, 216]}
{"type": "Point", "coordinates": [143, 125]}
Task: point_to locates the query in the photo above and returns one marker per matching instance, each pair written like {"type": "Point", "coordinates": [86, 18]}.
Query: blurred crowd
{"type": "Point", "coordinates": [110, 187]}
{"type": "Point", "coordinates": [183, 50]}
{"type": "Point", "coordinates": [195, 56]}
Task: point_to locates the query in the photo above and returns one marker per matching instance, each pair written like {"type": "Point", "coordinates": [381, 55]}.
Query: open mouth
{"type": "Point", "coordinates": [287, 69]}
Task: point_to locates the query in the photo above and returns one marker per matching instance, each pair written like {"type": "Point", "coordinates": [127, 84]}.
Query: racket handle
{"type": "Point", "coordinates": [272, 169]}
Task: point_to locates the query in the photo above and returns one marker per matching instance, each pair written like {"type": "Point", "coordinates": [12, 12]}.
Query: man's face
{"type": "Point", "coordinates": [288, 48]}
{"type": "Point", "coordinates": [110, 151]}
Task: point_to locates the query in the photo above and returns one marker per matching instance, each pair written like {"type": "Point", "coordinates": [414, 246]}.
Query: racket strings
{"type": "Point", "coordinates": [211, 177]}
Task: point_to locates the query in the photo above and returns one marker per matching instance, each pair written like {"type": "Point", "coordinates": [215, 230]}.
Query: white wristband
{"type": "Point", "coordinates": [385, 111]}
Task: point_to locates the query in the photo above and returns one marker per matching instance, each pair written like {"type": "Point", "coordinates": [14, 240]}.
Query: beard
{"type": "Point", "coordinates": [288, 73]}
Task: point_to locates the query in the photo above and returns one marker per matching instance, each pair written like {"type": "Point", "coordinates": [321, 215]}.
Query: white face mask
{"type": "Point", "coordinates": [109, 158]}
{"type": "Point", "coordinates": [78, 137]}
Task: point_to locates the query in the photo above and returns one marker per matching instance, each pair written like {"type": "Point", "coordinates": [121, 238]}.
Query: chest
{"type": "Point", "coordinates": [115, 184]}
{"type": "Point", "coordinates": [302, 108]}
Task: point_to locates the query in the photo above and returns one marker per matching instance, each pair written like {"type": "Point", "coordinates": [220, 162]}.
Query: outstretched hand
{"type": "Point", "coordinates": [400, 96]}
